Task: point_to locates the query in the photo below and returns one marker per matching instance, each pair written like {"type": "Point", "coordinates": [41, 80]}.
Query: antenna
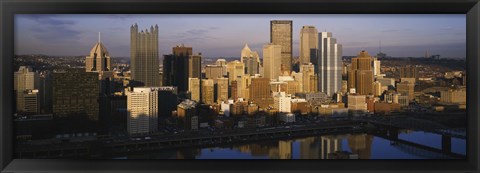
{"type": "Point", "coordinates": [99, 37]}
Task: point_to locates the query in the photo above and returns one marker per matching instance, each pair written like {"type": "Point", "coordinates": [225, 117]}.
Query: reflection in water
{"type": "Point", "coordinates": [361, 145]}
{"type": "Point", "coordinates": [348, 146]}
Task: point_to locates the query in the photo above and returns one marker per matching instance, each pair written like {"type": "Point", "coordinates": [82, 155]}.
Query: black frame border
{"type": "Point", "coordinates": [8, 8]}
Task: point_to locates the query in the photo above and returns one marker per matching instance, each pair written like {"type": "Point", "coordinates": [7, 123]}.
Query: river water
{"type": "Point", "coordinates": [361, 146]}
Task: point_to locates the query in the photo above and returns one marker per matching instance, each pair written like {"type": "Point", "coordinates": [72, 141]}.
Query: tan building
{"type": "Point", "coordinates": [377, 88]}
{"type": "Point", "coordinates": [386, 108]}
{"type": "Point", "coordinates": [24, 79]}
{"type": "Point", "coordinates": [272, 58]}
{"type": "Point", "coordinates": [308, 71]}
{"type": "Point", "coordinates": [281, 34]}
{"type": "Point", "coordinates": [213, 71]}
{"type": "Point", "coordinates": [99, 61]}
{"type": "Point", "coordinates": [222, 89]}
{"type": "Point", "coordinates": [144, 56]}
{"type": "Point", "coordinates": [194, 89]}
{"type": "Point", "coordinates": [208, 91]}
{"type": "Point", "coordinates": [360, 75]}
{"type": "Point", "coordinates": [251, 61]}
{"type": "Point", "coordinates": [357, 103]}
{"type": "Point", "coordinates": [234, 69]}
{"type": "Point", "coordinates": [186, 113]}
{"type": "Point", "coordinates": [406, 88]}
{"type": "Point", "coordinates": [457, 96]}
{"type": "Point", "coordinates": [308, 44]}
{"type": "Point", "coordinates": [260, 92]}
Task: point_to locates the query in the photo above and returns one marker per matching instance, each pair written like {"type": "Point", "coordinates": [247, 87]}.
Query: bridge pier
{"type": "Point", "coordinates": [446, 144]}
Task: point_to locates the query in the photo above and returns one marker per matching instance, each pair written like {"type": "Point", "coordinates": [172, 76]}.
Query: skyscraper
{"type": "Point", "coordinates": [251, 61]}
{"type": "Point", "coordinates": [207, 91]}
{"type": "Point", "coordinates": [24, 79]}
{"type": "Point", "coordinates": [308, 72]}
{"type": "Point", "coordinates": [221, 87]}
{"type": "Point", "coordinates": [272, 59]}
{"type": "Point", "coordinates": [98, 59]}
{"type": "Point", "coordinates": [223, 63]}
{"type": "Point", "coordinates": [260, 92]}
{"type": "Point", "coordinates": [194, 89]}
{"type": "Point", "coordinates": [360, 75]}
{"type": "Point", "coordinates": [281, 34]}
{"type": "Point", "coordinates": [176, 67]}
{"type": "Point", "coordinates": [407, 89]}
{"type": "Point", "coordinates": [144, 56]}
{"type": "Point", "coordinates": [308, 45]}
{"type": "Point", "coordinates": [409, 71]}
{"type": "Point", "coordinates": [195, 66]}
{"type": "Point", "coordinates": [213, 71]}
{"type": "Point", "coordinates": [329, 64]}
{"type": "Point", "coordinates": [142, 110]}
{"type": "Point", "coordinates": [234, 69]}
{"type": "Point", "coordinates": [76, 92]}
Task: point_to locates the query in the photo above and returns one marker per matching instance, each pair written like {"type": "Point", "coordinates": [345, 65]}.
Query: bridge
{"type": "Point", "coordinates": [100, 148]}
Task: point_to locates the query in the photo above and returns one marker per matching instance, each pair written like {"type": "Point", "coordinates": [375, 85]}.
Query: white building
{"type": "Point", "coordinates": [24, 79]}
{"type": "Point", "coordinates": [282, 102]}
{"type": "Point", "coordinates": [225, 107]}
{"type": "Point", "coordinates": [142, 110]}
{"type": "Point", "coordinates": [329, 64]}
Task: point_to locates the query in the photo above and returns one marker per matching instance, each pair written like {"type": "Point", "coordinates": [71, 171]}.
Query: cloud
{"type": "Point", "coordinates": [48, 28]}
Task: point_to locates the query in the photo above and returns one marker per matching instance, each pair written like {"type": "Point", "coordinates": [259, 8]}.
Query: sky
{"type": "Point", "coordinates": [401, 35]}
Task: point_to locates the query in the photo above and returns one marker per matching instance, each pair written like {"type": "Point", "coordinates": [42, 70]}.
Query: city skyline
{"type": "Point", "coordinates": [71, 35]}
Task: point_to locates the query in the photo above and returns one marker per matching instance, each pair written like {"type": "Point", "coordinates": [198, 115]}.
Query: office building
{"type": "Point", "coordinates": [31, 102]}
{"type": "Point", "coordinates": [407, 89]}
{"type": "Point", "coordinates": [360, 75]}
{"type": "Point", "coordinates": [308, 72]}
{"type": "Point", "coordinates": [207, 91]}
{"type": "Point", "coordinates": [281, 34]}
{"type": "Point", "coordinates": [456, 96]}
{"type": "Point", "coordinates": [409, 71]}
{"type": "Point", "coordinates": [142, 110]}
{"type": "Point", "coordinates": [272, 59]}
{"type": "Point", "coordinates": [214, 71]}
{"type": "Point", "coordinates": [235, 69]}
{"type": "Point", "coordinates": [282, 102]}
{"type": "Point", "coordinates": [376, 67]}
{"type": "Point", "coordinates": [144, 56]}
{"type": "Point", "coordinates": [24, 79]}
{"type": "Point", "coordinates": [251, 61]}
{"type": "Point", "coordinates": [260, 92]}
{"type": "Point", "coordinates": [98, 59]}
{"type": "Point", "coordinates": [76, 92]}
{"type": "Point", "coordinates": [222, 63]}
{"type": "Point", "coordinates": [195, 66]}
{"type": "Point", "coordinates": [329, 64]}
{"type": "Point", "coordinates": [221, 87]}
{"type": "Point", "coordinates": [187, 115]}
{"type": "Point", "coordinates": [308, 45]}
{"type": "Point", "coordinates": [168, 100]}
{"type": "Point", "coordinates": [194, 89]}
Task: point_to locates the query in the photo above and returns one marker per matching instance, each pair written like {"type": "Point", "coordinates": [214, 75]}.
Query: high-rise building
{"type": "Point", "coordinates": [144, 56]}
{"type": "Point", "coordinates": [308, 71]}
{"type": "Point", "coordinates": [223, 63]}
{"type": "Point", "coordinates": [213, 71]}
{"type": "Point", "coordinates": [176, 67]}
{"type": "Point", "coordinates": [376, 67]}
{"type": "Point", "coordinates": [308, 45]}
{"type": "Point", "coordinates": [221, 89]}
{"type": "Point", "coordinates": [76, 92]}
{"type": "Point", "coordinates": [272, 59]}
{"type": "Point", "coordinates": [142, 110]}
{"type": "Point", "coordinates": [234, 69]}
{"type": "Point", "coordinates": [260, 92]}
{"type": "Point", "coordinates": [360, 75]}
{"type": "Point", "coordinates": [208, 91]}
{"type": "Point", "coordinates": [24, 79]}
{"type": "Point", "coordinates": [329, 64]}
{"type": "Point", "coordinates": [407, 89]}
{"type": "Point", "coordinates": [251, 61]}
{"type": "Point", "coordinates": [195, 66]}
{"type": "Point", "coordinates": [98, 59]}
{"type": "Point", "coordinates": [233, 90]}
{"type": "Point", "coordinates": [194, 89]}
{"type": "Point", "coordinates": [281, 34]}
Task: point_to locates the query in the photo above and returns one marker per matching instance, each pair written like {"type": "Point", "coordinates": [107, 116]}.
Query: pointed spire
{"type": "Point", "coordinates": [99, 37]}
